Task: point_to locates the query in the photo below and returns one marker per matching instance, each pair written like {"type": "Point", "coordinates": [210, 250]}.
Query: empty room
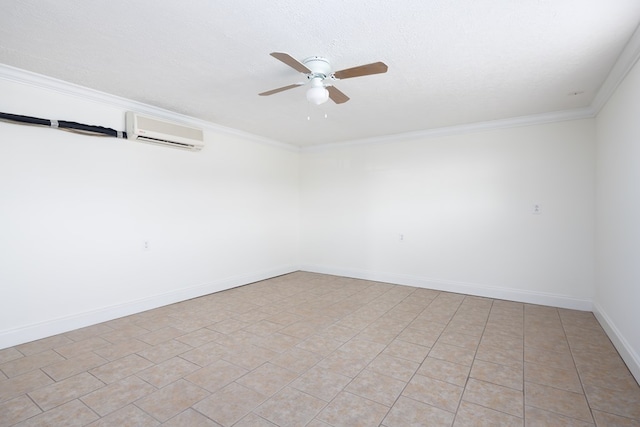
{"type": "Point", "coordinates": [338, 214]}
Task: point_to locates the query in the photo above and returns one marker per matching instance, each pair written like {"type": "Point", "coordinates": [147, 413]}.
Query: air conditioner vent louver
{"type": "Point", "coordinates": [155, 131]}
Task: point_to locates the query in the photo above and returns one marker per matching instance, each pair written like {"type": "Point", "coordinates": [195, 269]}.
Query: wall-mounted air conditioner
{"type": "Point", "coordinates": [155, 131]}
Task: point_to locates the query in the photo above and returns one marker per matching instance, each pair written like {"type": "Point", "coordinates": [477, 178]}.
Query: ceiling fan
{"type": "Point", "coordinates": [320, 77]}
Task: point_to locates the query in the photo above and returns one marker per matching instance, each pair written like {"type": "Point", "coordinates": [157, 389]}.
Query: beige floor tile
{"type": "Point", "coordinates": [395, 367]}
{"type": "Point", "coordinates": [343, 363]}
{"type": "Point", "coordinates": [230, 404]}
{"type": "Point", "coordinates": [421, 337]}
{"type": "Point", "coordinates": [9, 354]}
{"type": "Point", "coordinates": [434, 392]}
{"type": "Point", "coordinates": [560, 360]}
{"type": "Point", "coordinates": [473, 415]}
{"type": "Point", "coordinates": [190, 418]}
{"type": "Point", "coordinates": [205, 354]}
{"type": "Point", "coordinates": [572, 405]}
{"type": "Point", "coordinates": [564, 379]}
{"type": "Point", "coordinates": [73, 366]}
{"type": "Point", "coordinates": [500, 339]}
{"type": "Point", "coordinates": [122, 349]}
{"type": "Point", "coordinates": [65, 391]}
{"type": "Point", "coordinates": [121, 368]}
{"type": "Point", "coordinates": [199, 337]}
{"type": "Point", "coordinates": [349, 410]}
{"type": "Point", "coordinates": [164, 351]}
{"type": "Point", "coordinates": [253, 420]}
{"type": "Point", "coordinates": [126, 333]}
{"type": "Point", "coordinates": [623, 403]}
{"type": "Point", "coordinates": [512, 357]}
{"type": "Point", "coordinates": [321, 383]}
{"type": "Point", "coordinates": [592, 342]}
{"type": "Point", "coordinates": [117, 395]}
{"type": "Point", "coordinates": [461, 327]}
{"type": "Point", "coordinates": [169, 401]}
{"type": "Point", "coordinates": [250, 356]}
{"type": "Point", "coordinates": [217, 375]}
{"type": "Point", "coordinates": [228, 325]}
{"type": "Point", "coordinates": [129, 416]}
{"type": "Point", "coordinates": [155, 323]}
{"type": "Point", "coordinates": [452, 353]}
{"type": "Point", "coordinates": [538, 417]}
{"type": "Point", "coordinates": [167, 372]}
{"type": "Point", "coordinates": [290, 407]}
{"type": "Point", "coordinates": [267, 379]}
{"type": "Point", "coordinates": [377, 387]}
{"type": "Point", "coordinates": [263, 328]}
{"type": "Point", "coordinates": [38, 346]}
{"type": "Point", "coordinates": [71, 414]}
{"type": "Point", "coordinates": [506, 376]}
{"type": "Point", "coordinates": [277, 342]}
{"type": "Point", "coordinates": [25, 364]}
{"type": "Point", "coordinates": [459, 339]}
{"type": "Point", "coordinates": [78, 347]}
{"type": "Point", "coordinates": [88, 332]}
{"type": "Point", "coordinates": [161, 335]}
{"type": "Point", "coordinates": [407, 350]}
{"type": "Point", "coordinates": [550, 343]}
{"type": "Point", "coordinates": [339, 333]}
{"type": "Point", "coordinates": [21, 384]}
{"type": "Point", "coordinates": [320, 345]}
{"type": "Point", "coordinates": [17, 409]}
{"type": "Point", "coordinates": [604, 419]}
{"type": "Point", "coordinates": [444, 371]}
{"type": "Point", "coordinates": [411, 413]}
{"type": "Point", "coordinates": [297, 359]}
{"type": "Point", "coordinates": [611, 376]}
{"type": "Point", "coordinates": [495, 397]}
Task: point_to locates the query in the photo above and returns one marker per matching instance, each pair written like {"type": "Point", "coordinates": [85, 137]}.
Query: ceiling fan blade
{"type": "Point", "coordinates": [337, 96]}
{"type": "Point", "coordinates": [362, 70]}
{"type": "Point", "coordinates": [280, 89]}
{"type": "Point", "coordinates": [291, 62]}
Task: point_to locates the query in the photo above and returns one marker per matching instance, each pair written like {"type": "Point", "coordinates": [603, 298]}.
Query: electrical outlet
{"type": "Point", "coordinates": [145, 245]}
{"type": "Point", "coordinates": [537, 209]}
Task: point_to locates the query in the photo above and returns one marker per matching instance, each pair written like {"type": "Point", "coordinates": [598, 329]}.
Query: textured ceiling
{"type": "Point", "coordinates": [450, 62]}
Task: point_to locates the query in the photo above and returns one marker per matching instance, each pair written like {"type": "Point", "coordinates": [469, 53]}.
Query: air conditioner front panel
{"type": "Point", "coordinates": [156, 131]}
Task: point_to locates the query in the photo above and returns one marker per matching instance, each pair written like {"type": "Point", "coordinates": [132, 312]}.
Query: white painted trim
{"type": "Point", "coordinates": [534, 119]}
{"type": "Point", "coordinates": [18, 75]}
{"type": "Point", "coordinates": [60, 325]}
{"type": "Point", "coordinates": [627, 59]}
{"type": "Point", "coordinates": [626, 351]}
{"type": "Point", "coordinates": [475, 289]}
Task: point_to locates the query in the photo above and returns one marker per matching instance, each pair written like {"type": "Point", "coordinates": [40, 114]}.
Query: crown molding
{"type": "Point", "coordinates": [21, 76]}
{"type": "Point", "coordinates": [534, 119]}
{"type": "Point", "coordinates": [625, 62]}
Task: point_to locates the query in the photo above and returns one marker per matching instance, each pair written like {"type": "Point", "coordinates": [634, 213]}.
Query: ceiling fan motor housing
{"type": "Point", "coordinates": [319, 66]}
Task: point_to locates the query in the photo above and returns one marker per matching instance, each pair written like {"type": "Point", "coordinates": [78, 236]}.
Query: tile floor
{"type": "Point", "coordinates": [313, 350]}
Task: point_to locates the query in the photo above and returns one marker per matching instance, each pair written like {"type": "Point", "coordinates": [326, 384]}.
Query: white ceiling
{"type": "Point", "coordinates": [450, 62]}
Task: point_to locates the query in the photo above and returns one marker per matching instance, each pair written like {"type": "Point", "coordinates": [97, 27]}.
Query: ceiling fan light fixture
{"type": "Point", "coordinates": [317, 95]}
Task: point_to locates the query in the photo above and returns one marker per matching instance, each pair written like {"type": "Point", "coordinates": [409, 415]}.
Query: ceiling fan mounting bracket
{"type": "Point", "coordinates": [319, 66]}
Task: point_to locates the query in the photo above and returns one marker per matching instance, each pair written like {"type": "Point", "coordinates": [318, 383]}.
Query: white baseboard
{"type": "Point", "coordinates": [9, 338]}
{"type": "Point", "coordinates": [519, 295]}
{"type": "Point", "coordinates": [626, 351]}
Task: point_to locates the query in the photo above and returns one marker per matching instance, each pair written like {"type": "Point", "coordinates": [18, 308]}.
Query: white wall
{"type": "Point", "coordinates": [75, 211]}
{"type": "Point", "coordinates": [617, 299]}
{"type": "Point", "coordinates": [464, 207]}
